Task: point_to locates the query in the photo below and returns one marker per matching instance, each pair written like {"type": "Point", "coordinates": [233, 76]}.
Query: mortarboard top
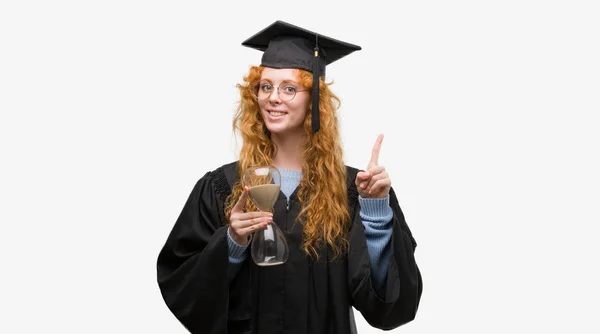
{"type": "Point", "coordinates": [288, 46]}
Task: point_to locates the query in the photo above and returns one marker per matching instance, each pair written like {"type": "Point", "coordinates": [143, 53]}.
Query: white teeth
{"type": "Point", "coordinates": [276, 113]}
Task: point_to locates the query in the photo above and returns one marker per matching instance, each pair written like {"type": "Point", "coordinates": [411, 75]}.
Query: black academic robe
{"type": "Point", "coordinates": [299, 297]}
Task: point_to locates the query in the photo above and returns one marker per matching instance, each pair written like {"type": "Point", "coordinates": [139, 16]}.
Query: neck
{"type": "Point", "coordinates": [289, 151]}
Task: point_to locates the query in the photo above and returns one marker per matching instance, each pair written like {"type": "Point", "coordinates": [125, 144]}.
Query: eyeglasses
{"type": "Point", "coordinates": [286, 90]}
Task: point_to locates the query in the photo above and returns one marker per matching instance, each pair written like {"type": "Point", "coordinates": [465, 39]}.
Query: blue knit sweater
{"type": "Point", "coordinates": [376, 216]}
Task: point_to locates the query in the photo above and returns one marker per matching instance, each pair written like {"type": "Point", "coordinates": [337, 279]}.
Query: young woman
{"type": "Point", "coordinates": [349, 245]}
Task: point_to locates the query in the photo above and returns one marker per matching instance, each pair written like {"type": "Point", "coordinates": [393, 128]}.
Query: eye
{"type": "Point", "coordinates": [265, 87]}
{"type": "Point", "coordinates": [289, 89]}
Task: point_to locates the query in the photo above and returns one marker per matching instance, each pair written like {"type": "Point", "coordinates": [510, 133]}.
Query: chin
{"type": "Point", "coordinates": [282, 129]}
{"type": "Point", "coordinates": [276, 128]}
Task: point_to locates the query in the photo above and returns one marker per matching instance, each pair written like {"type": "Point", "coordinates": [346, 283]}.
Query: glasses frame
{"type": "Point", "coordinates": [256, 88]}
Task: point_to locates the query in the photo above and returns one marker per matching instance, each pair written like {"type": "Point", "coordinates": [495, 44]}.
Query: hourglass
{"type": "Point", "coordinates": [269, 246]}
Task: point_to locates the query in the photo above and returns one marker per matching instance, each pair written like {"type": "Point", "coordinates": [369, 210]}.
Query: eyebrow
{"type": "Point", "coordinates": [283, 81]}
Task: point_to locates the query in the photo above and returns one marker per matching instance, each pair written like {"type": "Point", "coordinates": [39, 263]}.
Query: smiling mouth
{"type": "Point", "coordinates": [276, 113]}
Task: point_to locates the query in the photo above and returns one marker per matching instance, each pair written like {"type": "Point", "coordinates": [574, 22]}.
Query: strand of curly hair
{"type": "Point", "coordinates": [322, 191]}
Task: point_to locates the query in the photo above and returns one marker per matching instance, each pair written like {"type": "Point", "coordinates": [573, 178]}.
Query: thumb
{"type": "Point", "coordinates": [239, 206]}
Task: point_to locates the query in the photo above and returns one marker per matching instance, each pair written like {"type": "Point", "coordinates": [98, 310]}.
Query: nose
{"type": "Point", "coordinates": [274, 97]}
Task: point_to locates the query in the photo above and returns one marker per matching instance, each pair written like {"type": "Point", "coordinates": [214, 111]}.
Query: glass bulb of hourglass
{"type": "Point", "coordinates": [269, 246]}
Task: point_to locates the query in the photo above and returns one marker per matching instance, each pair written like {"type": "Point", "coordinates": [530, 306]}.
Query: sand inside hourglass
{"type": "Point", "coordinates": [264, 196]}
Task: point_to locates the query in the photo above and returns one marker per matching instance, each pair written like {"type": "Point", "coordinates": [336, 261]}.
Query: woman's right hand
{"type": "Point", "coordinates": [242, 224]}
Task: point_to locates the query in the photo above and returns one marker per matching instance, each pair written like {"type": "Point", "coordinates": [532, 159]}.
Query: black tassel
{"type": "Point", "coordinates": [316, 123]}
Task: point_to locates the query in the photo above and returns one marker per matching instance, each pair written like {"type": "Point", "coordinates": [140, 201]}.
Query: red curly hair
{"type": "Point", "coordinates": [322, 191]}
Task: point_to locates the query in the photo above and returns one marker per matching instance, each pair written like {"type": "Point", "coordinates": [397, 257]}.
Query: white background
{"type": "Point", "coordinates": [111, 110]}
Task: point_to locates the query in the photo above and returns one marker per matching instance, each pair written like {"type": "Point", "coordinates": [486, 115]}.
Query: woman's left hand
{"type": "Point", "coordinates": [375, 181]}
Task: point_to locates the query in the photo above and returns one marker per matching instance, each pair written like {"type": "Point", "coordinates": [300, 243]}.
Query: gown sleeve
{"type": "Point", "coordinates": [192, 265]}
{"type": "Point", "coordinates": [400, 298]}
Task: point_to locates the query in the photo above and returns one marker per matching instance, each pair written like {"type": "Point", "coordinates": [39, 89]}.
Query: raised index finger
{"type": "Point", "coordinates": [375, 152]}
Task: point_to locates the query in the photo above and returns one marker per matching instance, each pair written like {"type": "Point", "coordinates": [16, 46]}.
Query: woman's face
{"type": "Point", "coordinates": [282, 115]}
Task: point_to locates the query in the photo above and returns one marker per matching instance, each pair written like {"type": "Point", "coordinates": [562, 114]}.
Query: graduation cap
{"type": "Point", "coordinates": [289, 46]}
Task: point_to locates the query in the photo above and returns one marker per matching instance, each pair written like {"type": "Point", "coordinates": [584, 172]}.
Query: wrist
{"type": "Point", "coordinates": [238, 239]}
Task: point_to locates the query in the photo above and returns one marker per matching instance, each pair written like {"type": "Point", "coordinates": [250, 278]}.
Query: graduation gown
{"type": "Point", "coordinates": [299, 297]}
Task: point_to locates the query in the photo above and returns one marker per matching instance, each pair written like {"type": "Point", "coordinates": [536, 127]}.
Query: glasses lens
{"type": "Point", "coordinates": [286, 91]}
{"type": "Point", "coordinates": [263, 90]}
